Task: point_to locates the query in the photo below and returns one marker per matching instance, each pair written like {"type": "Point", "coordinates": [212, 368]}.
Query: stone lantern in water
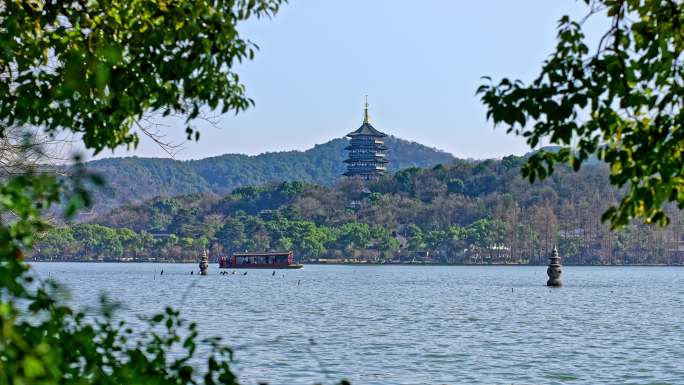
{"type": "Point", "coordinates": [204, 263]}
{"type": "Point", "coordinates": [554, 270]}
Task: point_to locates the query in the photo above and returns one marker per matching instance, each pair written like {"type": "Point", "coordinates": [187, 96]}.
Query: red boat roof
{"type": "Point", "coordinates": [269, 254]}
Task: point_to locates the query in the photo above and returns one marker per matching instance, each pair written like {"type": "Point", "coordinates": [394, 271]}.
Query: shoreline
{"type": "Point", "coordinates": [370, 264]}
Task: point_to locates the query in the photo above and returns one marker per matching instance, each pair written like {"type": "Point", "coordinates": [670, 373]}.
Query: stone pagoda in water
{"type": "Point", "coordinates": [366, 151]}
{"type": "Point", "coordinates": [554, 270]}
{"type": "Point", "coordinates": [204, 263]}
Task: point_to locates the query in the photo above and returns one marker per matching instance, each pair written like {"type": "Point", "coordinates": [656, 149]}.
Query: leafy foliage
{"type": "Point", "coordinates": [98, 67]}
{"type": "Point", "coordinates": [621, 102]}
{"type": "Point", "coordinates": [45, 342]}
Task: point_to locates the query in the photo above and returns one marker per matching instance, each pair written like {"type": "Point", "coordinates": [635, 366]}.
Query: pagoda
{"type": "Point", "coordinates": [366, 151]}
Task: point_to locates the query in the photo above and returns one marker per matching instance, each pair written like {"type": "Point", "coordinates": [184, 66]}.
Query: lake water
{"type": "Point", "coordinates": [417, 325]}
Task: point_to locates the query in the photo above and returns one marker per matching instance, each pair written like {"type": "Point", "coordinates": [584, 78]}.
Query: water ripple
{"type": "Point", "coordinates": [418, 325]}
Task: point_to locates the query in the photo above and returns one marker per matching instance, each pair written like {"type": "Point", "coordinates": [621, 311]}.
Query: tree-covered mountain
{"type": "Point", "coordinates": [133, 179]}
{"type": "Point", "coordinates": [591, 160]}
{"type": "Point", "coordinates": [465, 212]}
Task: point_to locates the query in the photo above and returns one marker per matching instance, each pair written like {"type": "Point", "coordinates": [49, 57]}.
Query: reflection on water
{"type": "Point", "coordinates": [417, 325]}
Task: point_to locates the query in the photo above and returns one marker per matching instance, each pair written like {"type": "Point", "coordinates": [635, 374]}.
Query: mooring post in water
{"type": "Point", "coordinates": [554, 270]}
{"type": "Point", "coordinates": [204, 263]}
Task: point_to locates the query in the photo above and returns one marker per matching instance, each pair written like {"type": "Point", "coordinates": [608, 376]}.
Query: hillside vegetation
{"type": "Point", "coordinates": [134, 180]}
{"type": "Point", "coordinates": [465, 212]}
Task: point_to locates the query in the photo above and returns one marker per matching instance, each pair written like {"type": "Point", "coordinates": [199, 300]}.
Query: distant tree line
{"type": "Point", "coordinates": [465, 212]}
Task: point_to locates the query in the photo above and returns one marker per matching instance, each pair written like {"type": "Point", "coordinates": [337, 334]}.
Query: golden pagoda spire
{"type": "Point", "coordinates": [366, 120]}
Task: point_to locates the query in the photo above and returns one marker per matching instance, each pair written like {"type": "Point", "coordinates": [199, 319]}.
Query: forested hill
{"type": "Point", "coordinates": [134, 179]}
{"type": "Point", "coordinates": [465, 212]}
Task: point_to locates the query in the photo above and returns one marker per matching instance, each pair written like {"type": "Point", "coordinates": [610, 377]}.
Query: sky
{"type": "Point", "coordinates": [420, 64]}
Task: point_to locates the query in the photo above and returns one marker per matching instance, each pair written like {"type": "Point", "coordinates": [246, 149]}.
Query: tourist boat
{"type": "Point", "coordinates": [270, 260]}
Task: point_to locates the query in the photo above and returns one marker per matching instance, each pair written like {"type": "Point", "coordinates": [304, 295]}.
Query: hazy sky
{"type": "Point", "coordinates": [420, 63]}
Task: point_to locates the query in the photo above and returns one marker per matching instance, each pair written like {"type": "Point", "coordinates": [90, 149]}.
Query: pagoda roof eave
{"type": "Point", "coordinates": [367, 130]}
{"type": "Point", "coordinates": [374, 147]}
{"type": "Point", "coordinates": [369, 160]}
